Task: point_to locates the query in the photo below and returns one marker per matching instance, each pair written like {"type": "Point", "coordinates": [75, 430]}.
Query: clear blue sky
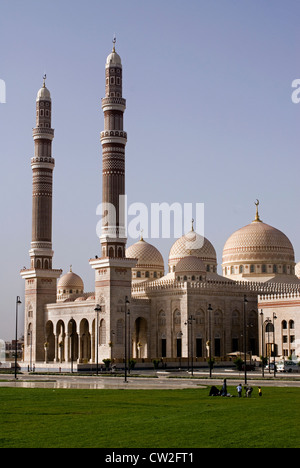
{"type": "Point", "coordinates": [209, 118]}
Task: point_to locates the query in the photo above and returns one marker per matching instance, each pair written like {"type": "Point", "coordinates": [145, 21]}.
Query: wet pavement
{"type": "Point", "coordinates": [150, 381]}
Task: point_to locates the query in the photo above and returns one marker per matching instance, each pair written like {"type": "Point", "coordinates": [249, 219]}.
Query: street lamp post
{"type": "Point", "coordinates": [190, 321]}
{"type": "Point", "coordinates": [274, 318]}
{"type": "Point", "coordinates": [30, 362]}
{"type": "Point", "coordinates": [97, 310]}
{"type": "Point", "coordinates": [210, 309]}
{"type": "Point", "coordinates": [18, 302]}
{"type": "Point", "coordinates": [262, 342]}
{"type": "Point", "coordinates": [129, 341]}
{"type": "Point", "coordinates": [125, 350]}
{"type": "Point", "coordinates": [245, 338]}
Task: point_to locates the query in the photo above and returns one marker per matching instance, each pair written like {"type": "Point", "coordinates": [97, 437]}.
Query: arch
{"type": "Point", "coordinates": [177, 317]}
{"type": "Point", "coordinates": [218, 317]}
{"type": "Point", "coordinates": [140, 338]}
{"type": "Point", "coordinates": [85, 341]}
{"type": "Point", "coordinates": [60, 336]}
{"type": "Point", "coordinates": [49, 342]}
{"type": "Point", "coordinates": [235, 318]}
{"type": "Point", "coordinates": [162, 321]}
{"type": "Point", "coordinates": [72, 341]}
{"type": "Point", "coordinates": [200, 317]}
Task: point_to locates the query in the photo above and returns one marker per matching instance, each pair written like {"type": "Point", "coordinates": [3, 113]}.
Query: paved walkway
{"type": "Point", "coordinates": [147, 382]}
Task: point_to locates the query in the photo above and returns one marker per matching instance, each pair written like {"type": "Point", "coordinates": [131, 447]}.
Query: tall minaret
{"type": "Point", "coordinates": [42, 169]}
{"type": "Point", "coordinates": [113, 272]}
{"type": "Point", "coordinates": [40, 278]}
{"type": "Point", "coordinates": [113, 140]}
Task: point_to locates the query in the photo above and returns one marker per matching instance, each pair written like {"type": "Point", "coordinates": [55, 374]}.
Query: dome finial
{"type": "Point", "coordinates": [114, 43]}
{"type": "Point", "coordinates": [142, 235]}
{"type": "Point", "coordinates": [257, 218]}
{"type": "Point", "coordinates": [193, 225]}
{"type": "Point", "coordinates": [71, 270]}
{"type": "Point", "coordinates": [44, 78]}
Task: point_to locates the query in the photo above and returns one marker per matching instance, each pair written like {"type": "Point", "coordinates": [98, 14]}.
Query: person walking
{"type": "Point", "coordinates": [260, 391]}
{"type": "Point", "coordinates": [239, 390]}
{"type": "Point", "coordinates": [224, 388]}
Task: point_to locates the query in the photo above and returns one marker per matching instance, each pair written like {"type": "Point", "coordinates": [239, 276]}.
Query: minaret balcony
{"type": "Point", "coordinates": [113, 103]}
{"type": "Point", "coordinates": [43, 133]}
{"type": "Point", "coordinates": [113, 135]}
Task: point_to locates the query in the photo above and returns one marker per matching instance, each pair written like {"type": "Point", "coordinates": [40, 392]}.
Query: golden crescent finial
{"type": "Point", "coordinates": [257, 218]}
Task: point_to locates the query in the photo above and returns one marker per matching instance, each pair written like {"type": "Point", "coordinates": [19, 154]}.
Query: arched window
{"type": "Point", "coordinates": [284, 325]}
{"type": "Point", "coordinates": [162, 318]}
{"type": "Point", "coordinates": [274, 268]}
{"type": "Point", "coordinates": [177, 317]}
{"type": "Point", "coordinates": [241, 269]}
{"type": "Point", "coordinates": [138, 274]}
{"type": "Point", "coordinates": [291, 324]}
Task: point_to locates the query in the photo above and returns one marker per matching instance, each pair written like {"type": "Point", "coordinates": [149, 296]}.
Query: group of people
{"type": "Point", "coordinates": [223, 392]}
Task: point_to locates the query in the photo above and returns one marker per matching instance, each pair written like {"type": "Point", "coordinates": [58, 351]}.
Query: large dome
{"type": "Point", "coordinates": [193, 244]}
{"type": "Point", "coordinates": [258, 249]}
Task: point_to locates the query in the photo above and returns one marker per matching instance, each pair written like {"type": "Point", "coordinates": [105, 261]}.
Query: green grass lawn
{"type": "Point", "coordinates": [41, 418]}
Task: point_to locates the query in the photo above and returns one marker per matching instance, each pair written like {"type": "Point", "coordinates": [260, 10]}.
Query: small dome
{"type": "Point", "coordinates": [190, 265]}
{"type": "Point", "coordinates": [193, 244]}
{"type": "Point", "coordinates": [43, 94]}
{"type": "Point", "coordinates": [70, 281]}
{"type": "Point", "coordinates": [147, 255]}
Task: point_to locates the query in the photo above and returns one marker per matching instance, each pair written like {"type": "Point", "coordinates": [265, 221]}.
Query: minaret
{"type": "Point", "coordinates": [40, 279]}
{"type": "Point", "coordinates": [113, 272]}
{"type": "Point", "coordinates": [113, 140]}
{"type": "Point", "coordinates": [42, 170]}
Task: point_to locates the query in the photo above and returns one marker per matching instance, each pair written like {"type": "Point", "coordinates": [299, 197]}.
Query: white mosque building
{"type": "Point", "coordinates": [173, 312]}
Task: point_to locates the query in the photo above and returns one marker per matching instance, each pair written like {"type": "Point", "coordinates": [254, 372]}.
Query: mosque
{"type": "Point", "coordinates": [139, 308]}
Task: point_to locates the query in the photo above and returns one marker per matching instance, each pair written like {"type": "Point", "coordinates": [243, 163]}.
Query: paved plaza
{"type": "Point", "coordinates": [147, 380]}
